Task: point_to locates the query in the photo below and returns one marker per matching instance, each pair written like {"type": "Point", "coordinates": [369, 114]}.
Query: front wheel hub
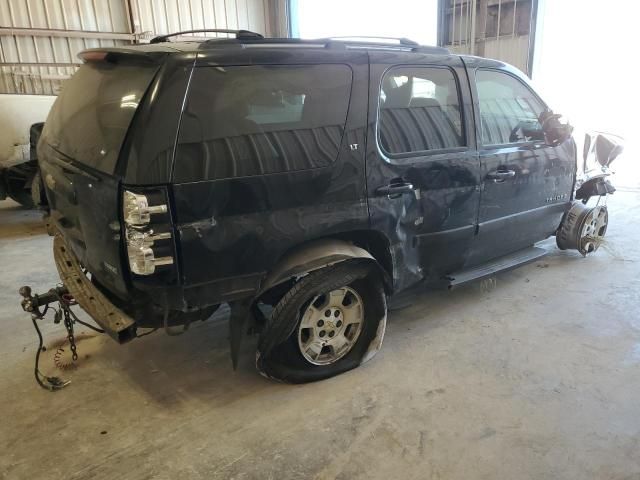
{"type": "Point", "coordinates": [583, 228]}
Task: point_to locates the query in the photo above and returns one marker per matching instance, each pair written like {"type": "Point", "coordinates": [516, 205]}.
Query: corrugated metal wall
{"type": "Point", "coordinates": [500, 29]}
{"type": "Point", "coordinates": [39, 39]}
{"type": "Point", "coordinates": [33, 61]}
{"type": "Point", "coordinates": [163, 16]}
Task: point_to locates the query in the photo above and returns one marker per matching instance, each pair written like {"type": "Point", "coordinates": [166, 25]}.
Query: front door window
{"type": "Point", "coordinates": [509, 110]}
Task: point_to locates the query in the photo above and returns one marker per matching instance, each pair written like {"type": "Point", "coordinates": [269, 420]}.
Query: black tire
{"type": "Point", "coordinates": [22, 197]}
{"type": "Point", "coordinates": [18, 180]}
{"type": "Point", "coordinates": [279, 356]}
{"type": "Point", "coordinates": [38, 196]}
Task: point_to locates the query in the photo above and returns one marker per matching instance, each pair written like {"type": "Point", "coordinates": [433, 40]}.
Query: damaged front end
{"type": "Point", "coordinates": [600, 150]}
{"type": "Point", "coordinates": [583, 227]}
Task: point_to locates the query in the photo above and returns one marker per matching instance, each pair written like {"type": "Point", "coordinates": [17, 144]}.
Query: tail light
{"type": "Point", "coordinates": [139, 236]}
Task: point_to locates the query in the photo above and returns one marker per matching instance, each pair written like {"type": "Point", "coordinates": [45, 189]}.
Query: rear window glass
{"type": "Point", "coordinates": [91, 116]}
{"type": "Point", "coordinates": [252, 120]}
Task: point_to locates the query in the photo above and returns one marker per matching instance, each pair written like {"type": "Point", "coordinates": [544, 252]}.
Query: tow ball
{"type": "Point", "coordinates": [33, 303]}
{"type": "Point", "coordinates": [39, 305]}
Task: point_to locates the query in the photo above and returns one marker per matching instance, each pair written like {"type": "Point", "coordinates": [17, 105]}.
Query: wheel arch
{"type": "Point", "coordinates": [320, 253]}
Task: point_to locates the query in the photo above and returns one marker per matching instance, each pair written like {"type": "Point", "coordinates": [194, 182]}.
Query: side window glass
{"type": "Point", "coordinates": [509, 110]}
{"type": "Point", "coordinates": [277, 106]}
{"type": "Point", "coordinates": [419, 111]}
{"type": "Point", "coordinates": [252, 120]}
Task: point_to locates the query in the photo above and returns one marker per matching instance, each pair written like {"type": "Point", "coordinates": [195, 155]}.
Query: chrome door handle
{"type": "Point", "coordinates": [499, 176]}
{"type": "Point", "coordinates": [395, 189]}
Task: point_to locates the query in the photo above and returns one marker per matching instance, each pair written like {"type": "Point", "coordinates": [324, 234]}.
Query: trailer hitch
{"type": "Point", "coordinates": [38, 306]}
{"type": "Point", "coordinates": [33, 303]}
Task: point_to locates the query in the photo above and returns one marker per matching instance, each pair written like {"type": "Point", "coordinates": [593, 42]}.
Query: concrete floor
{"type": "Point", "coordinates": [535, 375]}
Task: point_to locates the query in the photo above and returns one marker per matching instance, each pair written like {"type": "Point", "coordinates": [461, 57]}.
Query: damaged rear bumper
{"type": "Point", "coordinates": [117, 324]}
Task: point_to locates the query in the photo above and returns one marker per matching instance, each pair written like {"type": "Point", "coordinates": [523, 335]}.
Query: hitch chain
{"type": "Point", "coordinates": [68, 324]}
{"type": "Point", "coordinates": [33, 304]}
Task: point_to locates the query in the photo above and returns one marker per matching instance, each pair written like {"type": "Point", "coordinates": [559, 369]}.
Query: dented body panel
{"type": "Point", "coordinates": [430, 229]}
{"type": "Point", "coordinates": [243, 226]}
{"type": "Point", "coordinates": [236, 236]}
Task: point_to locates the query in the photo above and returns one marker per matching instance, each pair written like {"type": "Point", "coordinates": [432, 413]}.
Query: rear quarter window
{"type": "Point", "coordinates": [253, 120]}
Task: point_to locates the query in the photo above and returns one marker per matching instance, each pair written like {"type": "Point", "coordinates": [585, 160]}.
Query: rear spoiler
{"type": "Point", "coordinates": [116, 55]}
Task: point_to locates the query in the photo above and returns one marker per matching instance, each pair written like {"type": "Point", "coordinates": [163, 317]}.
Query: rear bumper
{"type": "Point", "coordinates": [111, 319]}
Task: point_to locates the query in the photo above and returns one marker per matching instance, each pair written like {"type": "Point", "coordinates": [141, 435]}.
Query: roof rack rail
{"type": "Point", "coordinates": [367, 39]}
{"type": "Point", "coordinates": [363, 42]}
{"type": "Point", "coordinates": [240, 34]}
{"type": "Point", "coordinates": [370, 42]}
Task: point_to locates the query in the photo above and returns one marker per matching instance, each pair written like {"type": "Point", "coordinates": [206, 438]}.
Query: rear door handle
{"type": "Point", "coordinates": [501, 175]}
{"type": "Point", "coordinates": [395, 189]}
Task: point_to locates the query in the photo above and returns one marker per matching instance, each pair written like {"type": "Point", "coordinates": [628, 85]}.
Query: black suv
{"type": "Point", "coordinates": [300, 182]}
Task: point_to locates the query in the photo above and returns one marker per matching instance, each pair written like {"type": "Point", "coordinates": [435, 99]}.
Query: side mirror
{"type": "Point", "coordinates": [527, 130]}
{"type": "Point", "coordinates": [555, 130]}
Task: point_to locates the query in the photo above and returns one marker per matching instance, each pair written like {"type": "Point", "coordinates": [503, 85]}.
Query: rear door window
{"type": "Point", "coordinates": [90, 118]}
{"type": "Point", "coordinates": [419, 111]}
{"type": "Point", "coordinates": [509, 110]}
{"type": "Point", "coordinates": [253, 120]}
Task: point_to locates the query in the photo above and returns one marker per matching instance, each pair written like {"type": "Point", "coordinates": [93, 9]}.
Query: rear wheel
{"type": "Point", "coordinates": [330, 321]}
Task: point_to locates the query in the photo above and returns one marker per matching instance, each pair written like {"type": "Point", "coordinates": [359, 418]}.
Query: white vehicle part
{"type": "Point", "coordinates": [17, 114]}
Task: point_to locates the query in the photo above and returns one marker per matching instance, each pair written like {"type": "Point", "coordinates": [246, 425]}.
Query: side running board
{"type": "Point", "coordinates": [500, 264]}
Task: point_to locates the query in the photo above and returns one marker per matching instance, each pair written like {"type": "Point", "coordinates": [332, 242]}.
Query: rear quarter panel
{"type": "Point", "coordinates": [232, 231]}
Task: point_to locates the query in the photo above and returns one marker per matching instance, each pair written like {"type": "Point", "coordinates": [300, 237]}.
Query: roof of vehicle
{"type": "Point", "coordinates": [212, 47]}
{"type": "Point", "coordinates": [160, 46]}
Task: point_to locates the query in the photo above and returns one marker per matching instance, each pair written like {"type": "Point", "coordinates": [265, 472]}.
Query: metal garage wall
{"type": "Point", "coordinates": [164, 16]}
{"type": "Point", "coordinates": [39, 39]}
{"type": "Point", "coordinates": [501, 29]}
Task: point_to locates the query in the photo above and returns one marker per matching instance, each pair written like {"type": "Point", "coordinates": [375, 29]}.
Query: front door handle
{"type": "Point", "coordinates": [501, 175]}
{"type": "Point", "coordinates": [395, 189]}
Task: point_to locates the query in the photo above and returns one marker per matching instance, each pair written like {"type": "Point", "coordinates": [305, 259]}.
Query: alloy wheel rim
{"type": "Point", "coordinates": [594, 229]}
{"type": "Point", "coordinates": [330, 326]}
